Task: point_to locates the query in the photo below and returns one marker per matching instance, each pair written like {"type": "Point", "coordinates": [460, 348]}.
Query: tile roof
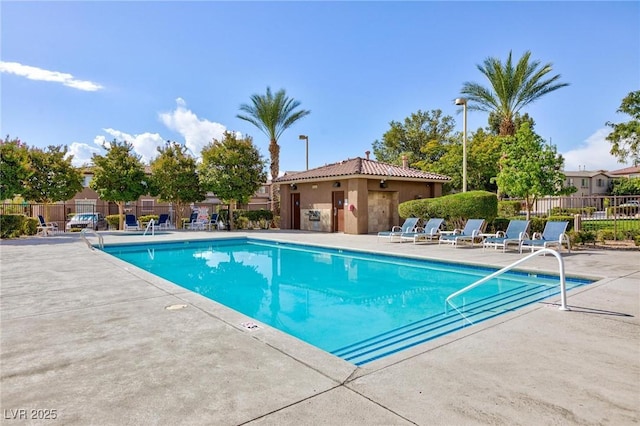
{"type": "Point", "coordinates": [585, 173]}
{"type": "Point", "coordinates": [361, 167]}
{"type": "Point", "coordinates": [626, 171]}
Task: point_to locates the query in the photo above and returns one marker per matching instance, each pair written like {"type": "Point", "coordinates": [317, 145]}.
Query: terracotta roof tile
{"type": "Point", "coordinates": [626, 171]}
{"type": "Point", "coordinates": [360, 167]}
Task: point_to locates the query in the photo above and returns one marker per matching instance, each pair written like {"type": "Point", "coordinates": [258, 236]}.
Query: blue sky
{"type": "Point", "coordinates": [80, 73]}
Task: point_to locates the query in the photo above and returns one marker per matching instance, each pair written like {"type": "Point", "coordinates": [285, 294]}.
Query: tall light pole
{"type": "Point", "coordinates": [463, 102]}
{"type": "Point", "coordinates": [306, 138]}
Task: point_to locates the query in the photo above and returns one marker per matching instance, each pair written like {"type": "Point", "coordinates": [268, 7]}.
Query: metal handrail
{"type": "Point", "coordinates": [563, 284]}
{"type": "Point", "coordinates": [83, 234]}
{"type": "Point", "coordinates": [151, 225]}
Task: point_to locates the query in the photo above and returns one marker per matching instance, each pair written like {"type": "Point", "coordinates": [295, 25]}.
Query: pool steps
{"type": "Point", "coordinates": [441, 324]}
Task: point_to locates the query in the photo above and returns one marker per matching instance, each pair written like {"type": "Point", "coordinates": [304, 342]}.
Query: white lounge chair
{"type": "Point", "coordinates": [44, 228]}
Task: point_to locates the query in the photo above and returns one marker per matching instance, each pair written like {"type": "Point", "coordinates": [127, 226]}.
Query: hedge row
{"type": "Point", "coordinates": [456, 209]}
{"type": "Point", "coordinates": [15, 225]}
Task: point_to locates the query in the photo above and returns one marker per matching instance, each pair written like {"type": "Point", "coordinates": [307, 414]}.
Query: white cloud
{"type": "Point", "coordinates": [144, 144]}
{"type": "Point", "coordinates": [196, 132]}
{"type": "Point", "coordinates": [593, 154]}
{"type": "Point", "coordinates": [35, 73]}
{"type": "Point", "coordinates": [82, 153]}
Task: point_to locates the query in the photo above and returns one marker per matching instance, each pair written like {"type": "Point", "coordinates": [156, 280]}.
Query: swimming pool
{"type": "Point", "coordinates": [356, 305]}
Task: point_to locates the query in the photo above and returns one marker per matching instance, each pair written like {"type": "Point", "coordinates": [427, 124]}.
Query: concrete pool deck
{"type": "Point", "coordinates": [89, 337]}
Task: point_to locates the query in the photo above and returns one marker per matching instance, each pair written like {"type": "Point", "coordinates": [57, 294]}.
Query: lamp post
{"type": "Point", "coordinates": [463, 102]}
{"type": "Point", "coordinates": [306, 139]}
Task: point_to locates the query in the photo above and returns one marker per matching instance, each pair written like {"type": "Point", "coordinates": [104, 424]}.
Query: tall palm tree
{"type": "Point", "coordinates": [511, 89]}
{"type": "Point", "coordinates": [272, 114]}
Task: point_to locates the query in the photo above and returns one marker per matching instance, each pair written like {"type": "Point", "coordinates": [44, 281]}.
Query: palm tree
{"type": "Point", "coordinates": [511, 88]}
{"type": "Point", "coordinates": [272, 114]}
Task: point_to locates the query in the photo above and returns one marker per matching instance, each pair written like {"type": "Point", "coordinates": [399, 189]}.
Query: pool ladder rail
{"type": "Point", "coordinates": [151, 225]}
{"type": "Point", "coordinates": [563, 284]}
{"type": "Point", "coordinates": [84, 233]}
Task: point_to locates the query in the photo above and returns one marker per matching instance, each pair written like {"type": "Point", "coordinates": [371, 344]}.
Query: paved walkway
{"type": "Point", "coordinates": [88, 339]}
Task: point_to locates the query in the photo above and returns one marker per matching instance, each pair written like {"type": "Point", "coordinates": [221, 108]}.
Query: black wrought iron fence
{"type": "Point", "coordinates": [61, 213]}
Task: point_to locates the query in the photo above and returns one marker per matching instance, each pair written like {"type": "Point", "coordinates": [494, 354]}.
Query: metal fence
{"type": "Point", "coordinates": [61, 213]}
{"type": "Point", "coordinates": [618, 215]}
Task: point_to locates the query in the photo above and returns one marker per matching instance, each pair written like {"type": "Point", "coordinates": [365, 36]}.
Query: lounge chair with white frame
{"type": "Point", "coordinates": [471, 232]}
{"type": "Point", "coordinates": [44, 228]}
{"type": "Point", "coordinates": [131, 223]}
{"type": "Point", "coordinates": [515, 233]}
{"type": "Point", "coordinates": [409, 225]}
{"type": "Point", "coordinates": [429, 232]}
{"type": "Point", "coordinates": [553, 235]}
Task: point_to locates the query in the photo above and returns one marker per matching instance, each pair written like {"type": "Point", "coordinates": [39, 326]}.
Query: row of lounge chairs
{"type": "Point", "coordinates": [131, 223]}
{"type": "Point", "coordinates": [516, 234]}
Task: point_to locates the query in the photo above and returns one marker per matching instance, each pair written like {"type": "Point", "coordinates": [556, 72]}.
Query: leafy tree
{"type": "Point", "coordinates": [119, 176]}
{"type": "Point", "coordinates": [14, 168]}
{"type": "Point", "coordinates": [626, 186]}
{"type": "Point", "coordinates": [52, 177]}
{"type": "Point", "coordinates": [233, 169]}
{"type": "Point", "coordinates": [530, 168]}
{"type": "Point", "coordinates": [272, 114]}
{"type": "Point", "coordinates": [625, 137]}
{"type": "Point", "coordinates": [483, 153]}
{"type": "Point", "coordinates": [174, 174]}
{"type": "Point", "coordinates": [422, 137]}
{"type": "Point", "coordinates": [512, 88]}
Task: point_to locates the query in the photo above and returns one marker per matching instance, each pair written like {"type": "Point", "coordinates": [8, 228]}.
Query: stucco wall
{"type": "Point", "coordinates": [369, 205]}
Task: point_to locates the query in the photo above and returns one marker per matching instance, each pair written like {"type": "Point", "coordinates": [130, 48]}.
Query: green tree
{"type": "Point", "coordinates": [626, 186]}
{"type": "Point", "coordinates": [483, 153]}
{"type": "Point", "coordinates": [119, 176]}
{"type": "Point", "coordinates": [422, 137]}
{"type": "Point", "coordinates": [512, 88]}
{"type": "Point", "coordinates": [272, 114]}
{"type": "Point", "coordinates": [52, 177]}
{"type": "Point", "coordinates": [14, 167]}
{"type": "Point", "coordinates": [625, 137]}
{"type": "Point", "coordinates": [174, 175]}
{"type": "Point", "coordinates": [529, 168]}
{"type": "Point", "coordinates": [233, 169]}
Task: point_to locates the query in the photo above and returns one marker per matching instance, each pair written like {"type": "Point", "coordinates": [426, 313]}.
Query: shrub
{"type": "Point", "coordinates": [11, 225]}
{"type": "Point", "coordinates": [499, 224]}
{"type": "Point", "coordinates": [536, 224]}
{"type": "Point", "coordinates": [242, 222]}
{"type": "Point", "coordinates": [455, 208]}
{"type": "Point", "coordinates": [509, 208]}
{"type": "Point", "coordinates": [147, 218]}
{"type": "Point", "coordinates": [562, 211]}
{"type": "Point", "coordinates": [30, 225]}
{"type": "Point", "coordinates": [582, 237]}
{"type": "Point", "coordinates": [113, 220]}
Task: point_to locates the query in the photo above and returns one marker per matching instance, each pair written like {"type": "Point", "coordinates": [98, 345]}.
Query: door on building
{"type": "Point", "coordinates": [295, 210]}
{"type": "Point", "coordinates": [338, 211]}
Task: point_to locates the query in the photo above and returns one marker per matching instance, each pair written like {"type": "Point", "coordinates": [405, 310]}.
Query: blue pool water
{"type": "Point", "coordinates": [358, 306]}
